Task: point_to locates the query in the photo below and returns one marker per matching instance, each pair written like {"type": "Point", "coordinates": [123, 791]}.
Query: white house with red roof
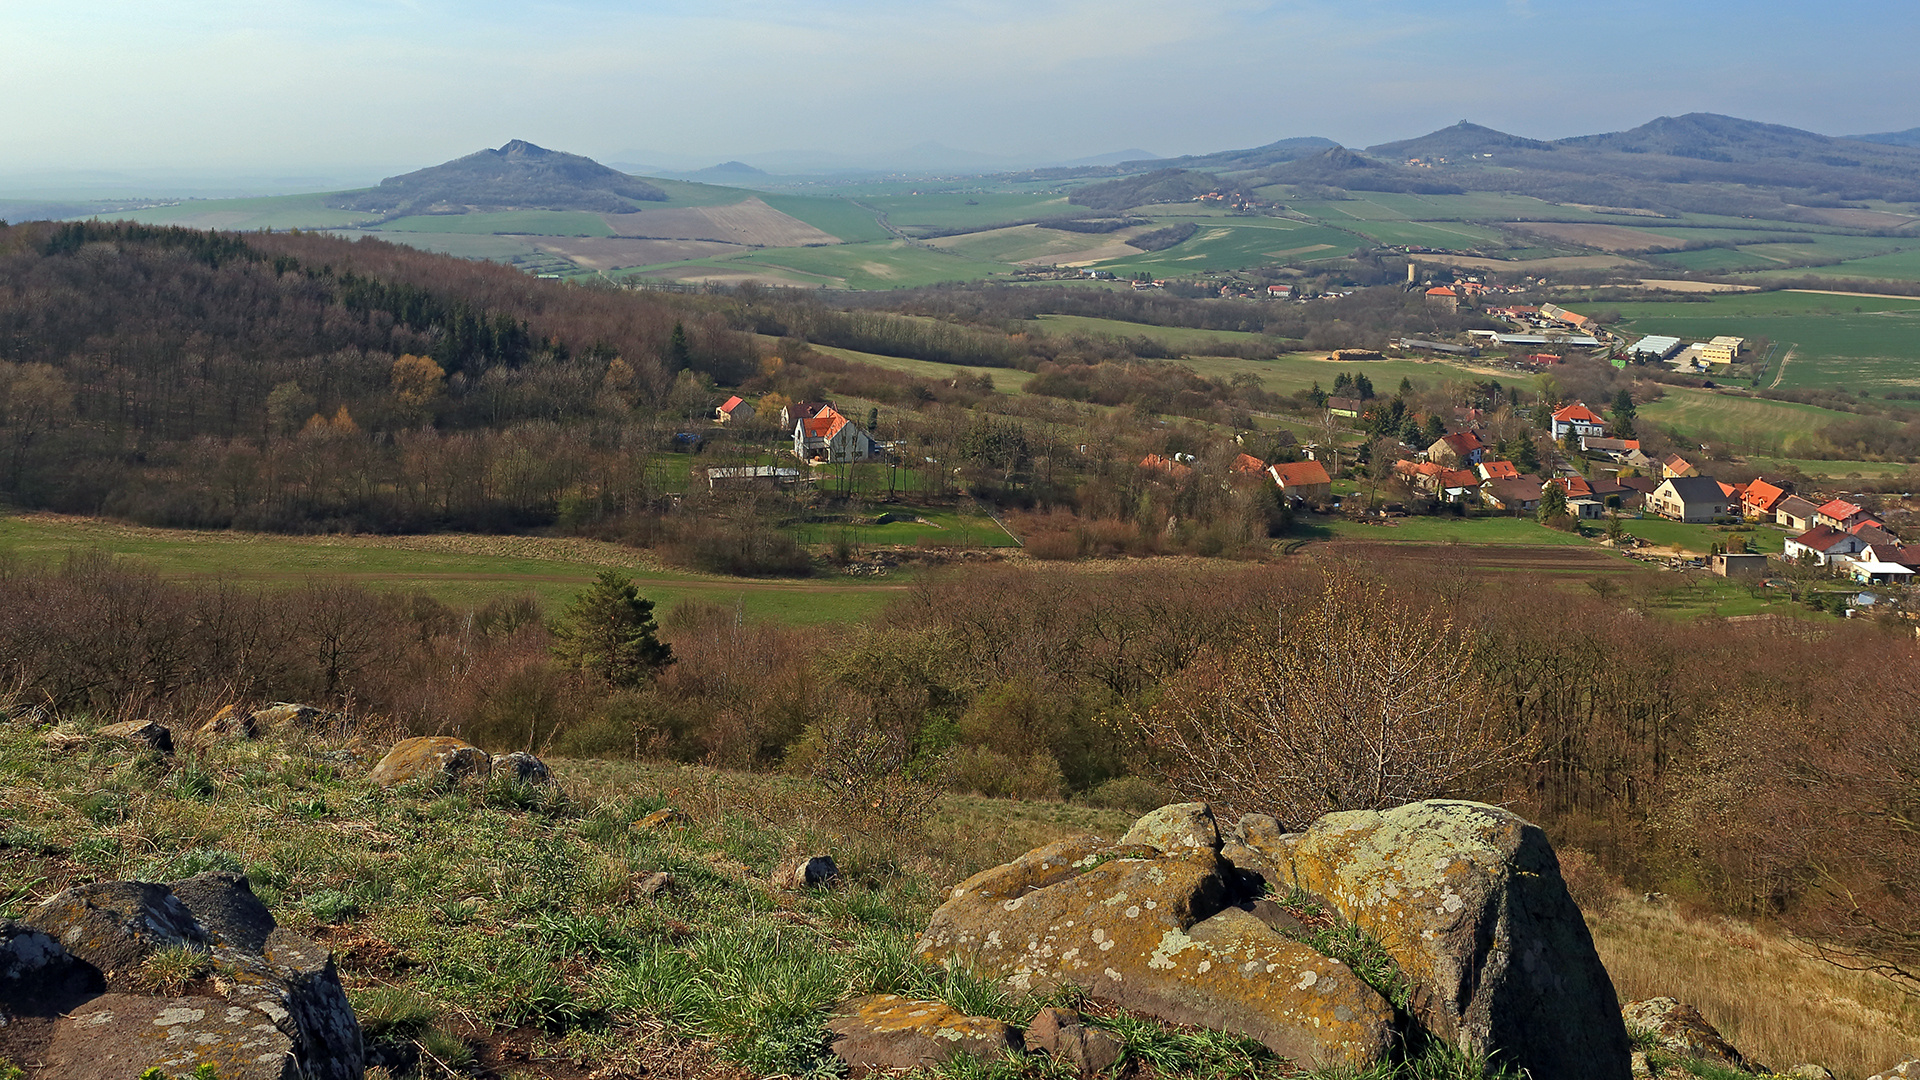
{"type": "Point", "coordinates": [1577, 419]}
{"type": "Point", "coordinates": [829, 437]}
{"type": "Point", "coordinates": [735, 408]}
{"type": "Point", "coordinates": [1824, 544]}
{"type": "Point", "coordinates": [1841, 514]}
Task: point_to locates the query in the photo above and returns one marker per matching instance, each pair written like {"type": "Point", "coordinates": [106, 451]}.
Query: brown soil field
{"type": "Point", "coordinates": [1627, 211]}
{"type": "Point", "coordinates": [1522, 558]}
{"type": "Point", "coordinates": [757, 273]}
{"type": "Point", "coordinates": [752, 223]}
{"type": "Point", "coordinates": [1614, 238]}
{"type": "Point", "coordinates": [604, 253]}
{"type": "Point", "coordinates": [1693, 286]}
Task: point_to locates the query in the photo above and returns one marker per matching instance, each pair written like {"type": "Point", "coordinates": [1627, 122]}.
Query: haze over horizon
{"type": "Point", "coordinates": [353, 90]}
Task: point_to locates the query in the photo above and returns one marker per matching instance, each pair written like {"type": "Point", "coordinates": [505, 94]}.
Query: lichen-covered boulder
{"type": "Point", "coordinates": [522, 767]}
{"type": "Point", "coordinates": [1256, 844]}
{"type": "Point", "coordinates": [1179, 827]}
{"type": "Point", "coordinates": [1468, 900]}
{"type": "Point", "coordinates": [434, 759]}
{"type": "Point", "coordinates": [288, 714]}
{"type": "Point", "coordinates": [886, 1032]}
{"type": "Point", "coordinates": [660, 819]}
{"type": "Point", "coordinates": [274, 1006]}
{"type": "Point", "coordinates": [145, 733]}
{"type": "Point", "coordinates": [1906, 1070]}
{"type": "Point", "coordinates": [1151, 930]}
{"type": "Point", "coordinates": [1679, 1029]}
{"type": "Point", "coordinates": [229, 723]}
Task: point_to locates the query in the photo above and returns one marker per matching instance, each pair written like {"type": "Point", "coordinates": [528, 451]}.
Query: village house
{"type": "Point", "coordinates": [1795, 513]}
{"type": "Point", "coordinates": [1516, 495]}
{"type": "Point", "coordinates": [801, 410]}
{"type": "Point", "coordinates": [1577, 420]}
{"type": "Point", "coordinates": [1907, 555]}
{"type": "Point", "coordinates": [1676, 466]}
{"type": "Point", "coordinates": [1868, 572]}
{"type": "Point", "coordinates": [1248, 465]}
{"type": "Point", "coordinates": [1458, 449]}
{"type": "Point", "coordinates": [829, 437]}
{"type": "Point", "coordinates": [1758, 501]}
{"type": "Point", "coordinates": [1638, 459]}
{"type": "Point", "coordinates": [1171, 466]}
{"type": "Point", "coordinates": [1347, 407]}
{"type": "Point", "coordinates": [734, 409]}
{"type": "Point", "coordinates": [1303, 481]}
{"type": "Point", "coordinates": [1842, 514]}
{"type": "Point", "coordinates": [1688, 498]}
{"type": "Point", "coordinates": [1613, 448]}
{"type": "Point", "coordinates": [1498, 470]}
{"type": "Point", "coordinates": [1823, 544]}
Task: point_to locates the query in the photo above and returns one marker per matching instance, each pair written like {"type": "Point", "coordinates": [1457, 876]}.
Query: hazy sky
{"type": "Point", "coordinates": [348, 87]}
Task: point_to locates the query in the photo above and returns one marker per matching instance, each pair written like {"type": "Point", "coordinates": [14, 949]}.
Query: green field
{"type": "Point", "coordinates": [1835, 469]}
{"type": "Point", "coordinates": [1862, 343]}
{"type": "Point", "coordinates": [840, 217]}
{"type": "Point", "coordinates": [1755, 424]}
{"type": "Point", "coordinates": [459, 570]}
{"type": "Point", "coordinates": [1446, 235]}
{"type": "Point", "coordinates": [243, 215]}
{"type": "Point", "coordinates": [1701, 538]}
{"type": "Point", "coordinates": [526, 222]}
{"type": "Point", "coordinates": [1005, 380]}
{"type": "Point", "coordinates": [1236, 243]}
{"type": "Point", "coordinates": [1178, 337]}
{"type": "Point", "coordinates": [1900, 266]}
{"type": "Point", "coordinates": [942, 212]}
{"type": "Point", "coordinates": [889, 265]}
{"type": "Point", "coordinates": [1450, 530]}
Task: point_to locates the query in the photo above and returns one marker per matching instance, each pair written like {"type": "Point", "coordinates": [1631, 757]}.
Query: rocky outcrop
{"type": "Point", "coordinates": [1062, 1035]}
{"type": "Point", "coordinates": [521, 767]}
{"type": "Point", "coordinates": [1679, 1029]}
{"type": "Point", "coordinates": [1906, 1070]}
{"type": "Point", "coordinates": [816, 872]}
{"type": "Point", "coordinates": [287, 714]}
{"type": "Point", "coordinates": [1150, 928]}
{"type": "Point", "coordinates": [888, 1033]}
{"type": "Point", "coordinates": [269, 1004]}
{"type": "Point", "coordinates": [432, 759]}
{"type": "Point", "coordinates": [140, 733]}
{"type": "Point", "coordinates": [1468, 900]}
{"type": "Point", "coordinates": [229, 723]}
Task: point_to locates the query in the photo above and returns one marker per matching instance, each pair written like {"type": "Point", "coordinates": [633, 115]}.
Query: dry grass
{"type": "Point", "coordinates": [1779, 1005]}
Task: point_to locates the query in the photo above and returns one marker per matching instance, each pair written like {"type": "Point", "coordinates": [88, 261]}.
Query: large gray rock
{"type": "Point", "coordinates": [140, 733]}
{"type": "Point", "coordinates": [1065, 1037]}
{"type": "Point", "coordinates": [432, 759]}
{"type": "Point", "coordinates": [1468, 900]}
{"type": "Point", "coordinates": [1149, 929]}
{"type": "Point", "coordinates": [523, 767]}
{"type": "Point", "coordinates": [275, 1007]}
{"type": "Point", "coordinates": [1906, 1070]}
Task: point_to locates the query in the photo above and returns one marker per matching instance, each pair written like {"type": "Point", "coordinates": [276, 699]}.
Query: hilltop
{"type": "Point", "coordinates": [518, 176]}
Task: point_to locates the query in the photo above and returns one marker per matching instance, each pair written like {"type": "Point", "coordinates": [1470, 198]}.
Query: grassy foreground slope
{"type": "Point", "coordinates": [508, 931]}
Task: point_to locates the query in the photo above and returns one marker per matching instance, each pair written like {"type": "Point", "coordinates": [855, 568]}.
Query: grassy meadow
{"type": "Point", "coordinates": [1758, 424]}
{"type": "Point", "coordinates": [524, 222]}
{"type": "Point", "coordinates": [840, 217]}
{"type": "Point", "coordinates": [461, 570]}
{"type": "Point", "coordinates": [1236, 243]}
{"type": "Point", "coordinates": [1860, 342]}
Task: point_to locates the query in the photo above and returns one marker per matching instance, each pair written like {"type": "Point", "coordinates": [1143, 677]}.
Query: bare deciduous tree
{"type": "Point", "coordinates": [1361, 702]}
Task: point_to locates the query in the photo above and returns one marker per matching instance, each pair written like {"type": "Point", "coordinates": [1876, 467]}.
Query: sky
{"type": "Point", "coordinates": [359, 89]}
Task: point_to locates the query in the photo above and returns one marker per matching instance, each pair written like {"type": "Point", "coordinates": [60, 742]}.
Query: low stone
{"type": "Point", "coordinates": [116, 925]}
{"type": "Point", "coordinates": [886, 1032]}
{"type": "Point", "coordinates": [1680, 1030]}
{"type": "Point", "coordinates": [230, 723]}
{"type": "Point", "coordinates": [522, 767]}
{"type": "Point", "coordinates": [1906, 1070]}
{"type": "Point", "coordinates": [145, 733]}
{"type": "Point", "coordinates": [1468, 900]}
{"type": "Point", "coordinates": [1809, 1072]}
{"type": "Point", "coordinates": [285, 714]}
{"type": "Point", "coordinates": [811, 873]}
{"type": "Point", "coordinates": [1064, 1036]}
{"type": "Point", "coordinates": [1151, 931]}
{"type": "Point", "coordinates": [660, 819]}
{"type": "Point", "coordinates": [1178, 827]}
{"type": "Point", "coordinates": [651, 885]}
{"type": "Point", "coordinates": [1257, 844]}
{"type": "Point", "coordinates": [225, 907]}
{"type": "Point", "coordinates": [123, 1035]}
{"type": "Point", "coordinates": [432, 758]}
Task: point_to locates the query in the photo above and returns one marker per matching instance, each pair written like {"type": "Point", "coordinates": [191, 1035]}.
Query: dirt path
{"type": "Point", "coordinates": [1782, 373]}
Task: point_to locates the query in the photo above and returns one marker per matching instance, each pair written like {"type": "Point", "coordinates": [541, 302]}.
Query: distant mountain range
{"type": "Point", "coordinates": [1909, 137]}
{"type": "Point", "coordinates": [518, 176]}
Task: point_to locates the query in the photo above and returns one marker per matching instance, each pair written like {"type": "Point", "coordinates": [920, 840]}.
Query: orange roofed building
{"type": "Point", "coordinates": [1306, 481]}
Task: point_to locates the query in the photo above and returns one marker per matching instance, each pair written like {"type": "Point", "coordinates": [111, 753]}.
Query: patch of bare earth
{"type": "Point", "coordinates": [611, 253]}
{"type": "Point", "coordinates": [1848, 218]}
{"type": "Point", "coordinates": [1562, 262]}
{"type": "Point", "coordinates": [1665, 285]}
{"type": "Point", "coordinates": [1615, 238]}
{"type": "Point", "coordinates": [751, 223]}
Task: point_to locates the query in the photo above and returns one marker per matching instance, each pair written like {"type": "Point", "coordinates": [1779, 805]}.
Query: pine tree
{"type": "Point", "coordinates": [679, 352]}
{"type": "Point", "coordinates": [609, 631]}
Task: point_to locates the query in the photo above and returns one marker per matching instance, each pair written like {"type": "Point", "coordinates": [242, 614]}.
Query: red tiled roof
{"type": "Point", "coordinates": [732, 404]}
{"type": "Point", "coordinates": [1248, 464]}
{"type": "Point", "coordinates": [1762, 496]}
{"type": "Point", "coordinates": [824, 426]}
{"type": "Point", "coordinates": [1574, 486]}
{"type": "Point", "coordinates": [1839, 509]}
{"type": "Point", "coordinates": [1500, 470]}
{"type": "Point", "coordinates": [1441, 290]}
{"type": "Point", "coordinates": [1820, 537]}
{"type": "Point", "coordinates": [1299, 474]}
{"type": "Point", "coordinates": [1164, 464]}
{"type": "Point", "coordinates": [1463, 442]}
{"type": "Point", "coordinates": [1577, 411]}
{"type": "Point", "coordinates": [1455, 478]}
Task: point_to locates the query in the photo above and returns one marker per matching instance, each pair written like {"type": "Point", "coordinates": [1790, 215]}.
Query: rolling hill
{"type": "Point", "coordinates": [518, 176]}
